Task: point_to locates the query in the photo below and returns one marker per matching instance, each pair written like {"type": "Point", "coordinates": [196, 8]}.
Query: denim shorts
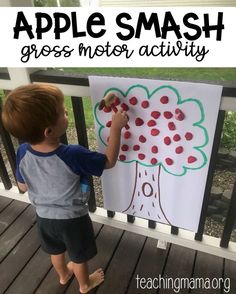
{"type": "Point", "coordinates": [76, 236]}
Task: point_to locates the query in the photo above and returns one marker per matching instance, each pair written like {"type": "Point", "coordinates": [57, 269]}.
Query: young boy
{"type": "Point", "coordinates": [56, 177]}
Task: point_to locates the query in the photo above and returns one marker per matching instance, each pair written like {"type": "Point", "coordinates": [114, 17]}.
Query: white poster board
{"type": "Point", "coordinates": [165, 148]}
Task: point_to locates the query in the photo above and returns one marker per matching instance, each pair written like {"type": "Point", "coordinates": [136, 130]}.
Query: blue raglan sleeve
{"type": "Point", "coordinates": [19, 155]}
{"type": "Point", "coordinates": [85, 162]}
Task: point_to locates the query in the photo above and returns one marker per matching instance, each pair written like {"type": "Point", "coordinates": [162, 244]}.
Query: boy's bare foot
{"type": "Point", "coordinates": [95, 279]}
{"type": "Point", "coordinates": [70, 273]}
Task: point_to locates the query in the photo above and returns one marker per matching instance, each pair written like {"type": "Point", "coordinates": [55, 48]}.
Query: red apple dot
{"type": "Point", "coordinates": [154, 149]}
{"type": "Point", "coordinates": [179, 149]}
{"type": "Point", "coordinates": [114, 108]}
{"type": "Point", "coordinates": [127, 135]}
{"type": "Point", "coordinates": [164, 99]}
{"type": "Point", "coordinates": [133, 101]}
{"type": "Point", "coordinates": [107, 109]}
{"type": "Point", "coordinates": [108, 124]}
{"type": "Point", "coordinates": [155, 132]}
{"type": "Point", "coordinates": [142, 139]}
{"type": "Point", "coordinates": [171, 126]}
{"type": "Point", "coordinates": [122, 157]}
{"type": "Point", "coordinates": [141, 156]}
{"type": "Point", "coordinates": [179, 115]}
{"type": "Point", "coordinates": [124, 147]}
{"type": "Point", "coordinates": [155, 114]}
{"type": "Point", "coordinates": [176, 138]}
{"type": "Point", "coordinates": [168, 114]}
{"type": "Point", "coordinates": [167, 140]}
{"type": "Point", "coordinates": [124, 106]}
{"type": "Point", "coordinates": [169, 161]}
{"type": "Point", "coordinates": [153, 161]}
{"type": "Point", "coordinates": [151, 123]}
{"type": "Point", "coordinates": [136, 147]}
{"type": "Point", "coordinates": [145, 104]}
{"type": "Point", "coordinates": [188, 136]}
{"type": "Point", "coordinates": [192, 159]}
{"type": "Point", "coordinates": [117, 101]}
{"type": "Point", "coordinates": [139, 122]}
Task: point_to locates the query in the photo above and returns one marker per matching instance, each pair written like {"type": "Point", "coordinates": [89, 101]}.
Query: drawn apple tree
{"type": "Point", "coordinates": [165, 133]}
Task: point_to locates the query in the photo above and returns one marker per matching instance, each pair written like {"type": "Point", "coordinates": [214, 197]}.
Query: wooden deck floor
{"type": "Point", "coordinates": [25, 268]}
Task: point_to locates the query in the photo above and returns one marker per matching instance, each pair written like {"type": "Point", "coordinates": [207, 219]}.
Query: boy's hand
{"type": "Point", "coordinates": [119, 119]}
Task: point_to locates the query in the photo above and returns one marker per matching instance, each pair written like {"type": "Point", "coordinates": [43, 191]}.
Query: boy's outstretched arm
{"type": "Point", "coordinates": [119, 120]}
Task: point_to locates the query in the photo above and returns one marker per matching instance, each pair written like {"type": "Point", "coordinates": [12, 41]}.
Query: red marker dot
{"type": "Point", "coordinates": [145, 104]}
{"type": "Point", "coordinates": [171, 126]}
{"type": "Point", "coordinates": [108, 124]}
{"type": "Point", "coordinates": [124, 106]}
{"type": "Point", "coordinates": [141, 156]}
{"type": "Point", "coordinates": [153, 161]}
{"type": "Point", "coordinates": [164, 99]}
{"type": "Point", "coordinates": [136, 147]}
{"type": "Point", "coordinates": [133, 101]}
{"type": "Point", "coordinates": [188, 136]}
{"type": "Point", "coordinates": [167, 140]}
{"type": "Point", "coordinates": [127, 135]}
{"type": "Point", "coordinates": [139, 122]}
{"type": "Point", "coordinates": [124, 147]}
{"type": "Point", "coordinates": [107, 109]}
{"type": "Point", "coordinates": [151, 123]}
{"type": "Point", "coordinates": [117, 101]}
{"type": "Point", "coordinates": [179, 149]}
{"type": "Point", "coordinates": [169, 161]}
{"type": "Point", "coordinates": [155, 132]}
{"type": "Point", "coordinates": [122, 157]}
{"type": "Point", "coordinates": [179, 115]}
{"type": "Point", "coordinates": [176, 138]}
{"type": "Point", "coordinates": [142, 139]}
{"type": "Point", "coordinates": [192, 159]}
{"type": "Point", "coordinates": [168, 114]}
{"type": "Point", "coordinates": [155, 114]}
{"type": "Point", "coordinates": [154, 149]}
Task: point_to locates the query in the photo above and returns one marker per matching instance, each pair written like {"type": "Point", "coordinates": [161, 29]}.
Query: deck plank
{"type": "Point", "coordinates": [107, 241]}
{"type": "Point", "coordinates": [229, 276]}
{"type": "Point", "coordinates": [32, 275]}
{"type": "Point", "coordinates": [10, 213]}
{"type": "Point", "coordinates": [123, 264]}
{"type": "Point", "coordinates": [179, 265]}
{"type": "Point", "coordinates": [151, 264]}
{"type": "Point", "coordinates": [4, 202]}
{"type": "Point", "coordinates": [207, 266]}
{"type": "Point", "coordinates": [51, 284]}
{"type": "Point", "coordinates": [16, 231]}
{"type": "Point", "coordinates": [18, 257]}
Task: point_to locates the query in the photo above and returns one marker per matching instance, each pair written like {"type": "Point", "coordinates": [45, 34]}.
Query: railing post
{"type": "Point", "coordinates": [78, 110]}
{"type": "Point", "coordinates": [4, 174]}
{"type": "Point", "coordinates": [230, 220]}
{"type": "Point", "coordinates": [8, 145]}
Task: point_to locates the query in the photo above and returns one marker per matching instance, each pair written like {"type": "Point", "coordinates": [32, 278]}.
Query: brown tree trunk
{"type": "Point", "coordinates": [146, 197]}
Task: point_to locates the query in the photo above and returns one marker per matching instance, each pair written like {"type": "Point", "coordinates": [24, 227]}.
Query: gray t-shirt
{"type": "Point", "coordinates": [58, 181]}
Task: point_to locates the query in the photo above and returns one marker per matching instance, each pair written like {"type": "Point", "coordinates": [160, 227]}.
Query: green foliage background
{"type": "Point", "coordinates": [228, 139]}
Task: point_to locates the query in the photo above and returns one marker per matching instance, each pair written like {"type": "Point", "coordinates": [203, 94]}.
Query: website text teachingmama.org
{"type": "Point", "coordinates": [186, 34]}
